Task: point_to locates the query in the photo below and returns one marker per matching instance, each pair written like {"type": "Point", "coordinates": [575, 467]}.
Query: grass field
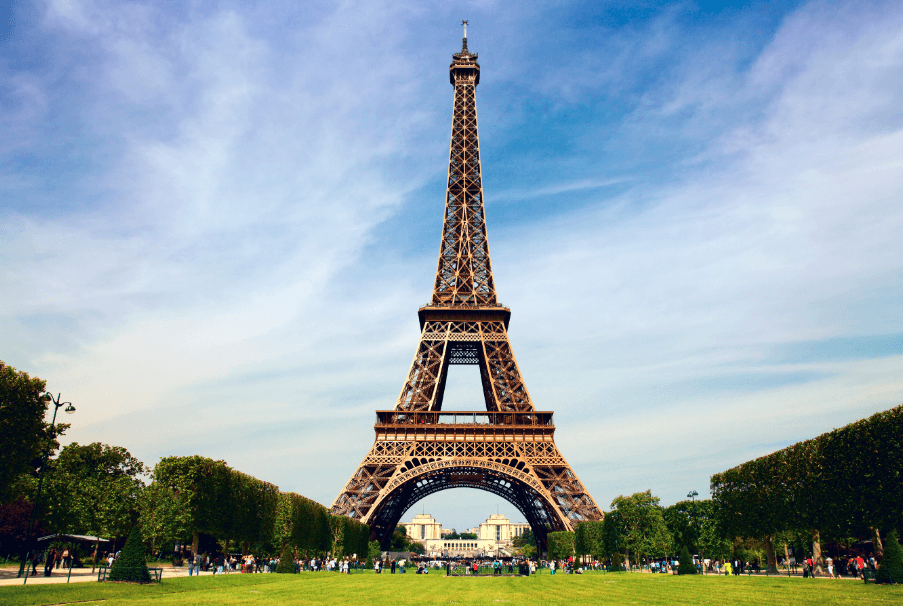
{"type": "Point", "coordinates": [560, 590]}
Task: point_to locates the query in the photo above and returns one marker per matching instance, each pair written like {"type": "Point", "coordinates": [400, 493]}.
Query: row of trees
{"type": "Point", "coordinates": [847, 482]}
{"type": "Point", "coordinates": [638, 528]}
{"type": "Point", "coordinates": [98, 490]}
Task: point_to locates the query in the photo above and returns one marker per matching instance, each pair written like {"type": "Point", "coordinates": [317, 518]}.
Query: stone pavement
{"type": "Point", "coordinates": [79, 575]}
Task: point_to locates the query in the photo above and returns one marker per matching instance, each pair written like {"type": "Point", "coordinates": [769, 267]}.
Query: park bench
{"type": "Point", "coordinates": [156, 573]}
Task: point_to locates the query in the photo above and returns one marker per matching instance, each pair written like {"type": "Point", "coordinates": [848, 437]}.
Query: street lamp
{"type": "Point", "coordinates": [68, 410]}
{"type": "Point", "coordinates": [692, 495]}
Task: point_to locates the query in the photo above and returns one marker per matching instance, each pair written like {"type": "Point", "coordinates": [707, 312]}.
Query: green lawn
{"type": "Point", "coordinates": [560, 590]}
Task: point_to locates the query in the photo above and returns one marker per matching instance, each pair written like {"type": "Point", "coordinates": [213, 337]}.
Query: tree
{"type": "Point", "coordinates": [286, 561]}
{"type": "Point", "coordinates": [163, 515]}
{"type": "Point", "coordinates": [686, 562]}
{"type": "Point", "coordinates": [561, 545]}
{"type": "Point", "coordinates": [14, 518]}
{"type": "Point", "coordinates": [643, 525]}
{"type": "Point", "coordinates": [93, 489]}
{"type": "Point", "coordinates": [590, 539]}
{"type": "Point", "coordinates": [525, 543]}
{"type": "Point", "coordinates": [23, 432]}
{"type": "Point", "coordinates": [696, 526]}
{"type": "Point", "coordinates": [400, 540]}
{"type": "Point", "coordinates": [131, 565]}
{"type": "Point", "coordinates": [891, 569]}
{"type": "Point", "coordinates": [373, 551]}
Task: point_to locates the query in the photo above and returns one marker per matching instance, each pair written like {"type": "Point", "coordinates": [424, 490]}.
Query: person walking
{"type": "Point", "coordinates": [35, 560]}
{"type": "Point", "coordinates": [51, 561]}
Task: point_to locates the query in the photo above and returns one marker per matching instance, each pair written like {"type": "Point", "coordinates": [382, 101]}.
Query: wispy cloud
{"type": "Point", "coordinates": [207, 218]}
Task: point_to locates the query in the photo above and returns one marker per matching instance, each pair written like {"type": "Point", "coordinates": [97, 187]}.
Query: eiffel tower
{"type": "Point", "coordinates": [507, 449]}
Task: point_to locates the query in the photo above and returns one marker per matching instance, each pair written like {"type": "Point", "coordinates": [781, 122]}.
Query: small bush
{"type": "Point", "coordinates": [616, 562]}
{"type": "Point", "coordinates": [891, 569]}
{"type": "Point", "coordinates": [286, 561]}
{"type": "Point", "coordinates": [686, 562]}
{"type": "Point", "coordinates": [130, 565]}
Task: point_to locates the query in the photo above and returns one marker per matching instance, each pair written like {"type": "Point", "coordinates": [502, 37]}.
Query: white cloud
{"type": "Point", "coordinates": [215, 279]}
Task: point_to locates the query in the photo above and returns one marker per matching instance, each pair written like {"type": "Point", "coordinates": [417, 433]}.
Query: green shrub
{"type": "Point", "coordinates": [616, 562]}
{"type": "Point", "coordinates": [286, 561]}
{"type": "Point", "coordinates": [130, 565]}
{"type": "Point", "coordinates": [686, 562]}
{"type": "Point", "coordinates": [891, 570]}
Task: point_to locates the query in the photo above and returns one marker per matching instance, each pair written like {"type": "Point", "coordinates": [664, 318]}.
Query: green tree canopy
{"type": "Point", "coordinates": [640, 523]}
{"type": "Point", "coordinates": [561, 545]}
{"type": "Point", "coordinates": [93, 489]}
{"type": "Point", "coordinates": [23, 432]}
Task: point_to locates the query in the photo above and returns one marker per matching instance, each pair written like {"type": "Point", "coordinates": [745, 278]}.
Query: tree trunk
{"type": "Point", "coordinates": [816, 552]}
{"type": "Point", "coordinates": [879, 547]}
{"type": "Point", "coordinates": [94, 557]}
{"type": "Point", "coordinates": [195, 541]}
{"type": "Point", "coordinates": [786, 555]}
{"type": "Point", "coordinates": [770, 559]}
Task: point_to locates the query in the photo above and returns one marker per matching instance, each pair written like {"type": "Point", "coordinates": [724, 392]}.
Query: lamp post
{"type": "Point", "coordinates": [692, 495]}
{"type": "Point", "coordinates": [68, 410]}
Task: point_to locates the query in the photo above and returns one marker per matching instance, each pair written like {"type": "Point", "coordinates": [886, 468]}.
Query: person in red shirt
{"type": "Point", "coordinates": [860, 565]}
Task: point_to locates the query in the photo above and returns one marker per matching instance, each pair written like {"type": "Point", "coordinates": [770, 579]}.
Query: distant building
{"type": "Point", "coordinates": [423, 528]}
{"type": "Point", "coordinates": [494, 536]}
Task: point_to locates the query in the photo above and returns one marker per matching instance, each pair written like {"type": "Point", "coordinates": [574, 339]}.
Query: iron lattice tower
{"type": "Point", "coordinates": [508, 449]}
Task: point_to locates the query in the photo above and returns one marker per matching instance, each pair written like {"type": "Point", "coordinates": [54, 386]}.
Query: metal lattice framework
{"type": "Point", "coordinates": [508, 449]}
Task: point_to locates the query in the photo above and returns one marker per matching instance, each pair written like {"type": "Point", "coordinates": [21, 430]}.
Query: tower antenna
{"type": "Point", "coordinates": [464, 23]}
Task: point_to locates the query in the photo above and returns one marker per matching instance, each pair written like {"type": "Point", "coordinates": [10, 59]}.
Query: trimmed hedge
{"type": "Point", "coordinates": [214, 499]}
{"type": "Point", "coordinates": [844, 482]}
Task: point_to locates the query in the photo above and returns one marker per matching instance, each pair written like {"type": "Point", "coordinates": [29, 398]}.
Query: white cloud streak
{"type": "Point", "coordinates": [216, 281]}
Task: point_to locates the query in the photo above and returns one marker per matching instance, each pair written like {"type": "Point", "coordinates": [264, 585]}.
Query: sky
{"type": "Point", "coordinates": [218, 220]}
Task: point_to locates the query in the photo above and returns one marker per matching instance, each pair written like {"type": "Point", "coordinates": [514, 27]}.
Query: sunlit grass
{"type": "Point", "coordinates": [545, 590]}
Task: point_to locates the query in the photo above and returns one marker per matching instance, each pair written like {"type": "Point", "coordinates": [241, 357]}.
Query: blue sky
{"type": "Point", "coordinates": [217, 221]}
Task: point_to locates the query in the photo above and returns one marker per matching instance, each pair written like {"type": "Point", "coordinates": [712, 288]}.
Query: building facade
{"type": "Point", "coordinates": [423, 528]}
{"type": "Point", "coordinates": [494, 537]}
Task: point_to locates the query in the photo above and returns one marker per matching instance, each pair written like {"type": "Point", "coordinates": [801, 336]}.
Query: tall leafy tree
{"type": "Point", "coordinates": [164, 515]}
{"type": "Point", "coordinates": [94, 489]}
{"type": "Point", "coordinates": [24, 433]}
{"type": "Point", "coordinates": [695, 525]}
{"type": "Point", "coordinates": [643, 524]}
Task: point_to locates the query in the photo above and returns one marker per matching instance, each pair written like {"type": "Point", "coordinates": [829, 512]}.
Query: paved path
{"type": "Point", "coordinates": [79, 575]}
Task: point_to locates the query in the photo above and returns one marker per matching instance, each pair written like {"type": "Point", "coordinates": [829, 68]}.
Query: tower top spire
{"type": "Point", "coordinates": [464, 50]}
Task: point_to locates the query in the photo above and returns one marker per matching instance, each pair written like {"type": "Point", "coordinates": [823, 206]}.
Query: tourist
{"type": "Point", "coordinates": [830, 564]}
{"type": "Point", "coordinates": [35, 560]}
{"type": "Point", "coordinates": [552, 567]}
{"type": "Point", "coordinates": [49, 563]}
{"type": "Point", "coordinates": [393, 566]}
